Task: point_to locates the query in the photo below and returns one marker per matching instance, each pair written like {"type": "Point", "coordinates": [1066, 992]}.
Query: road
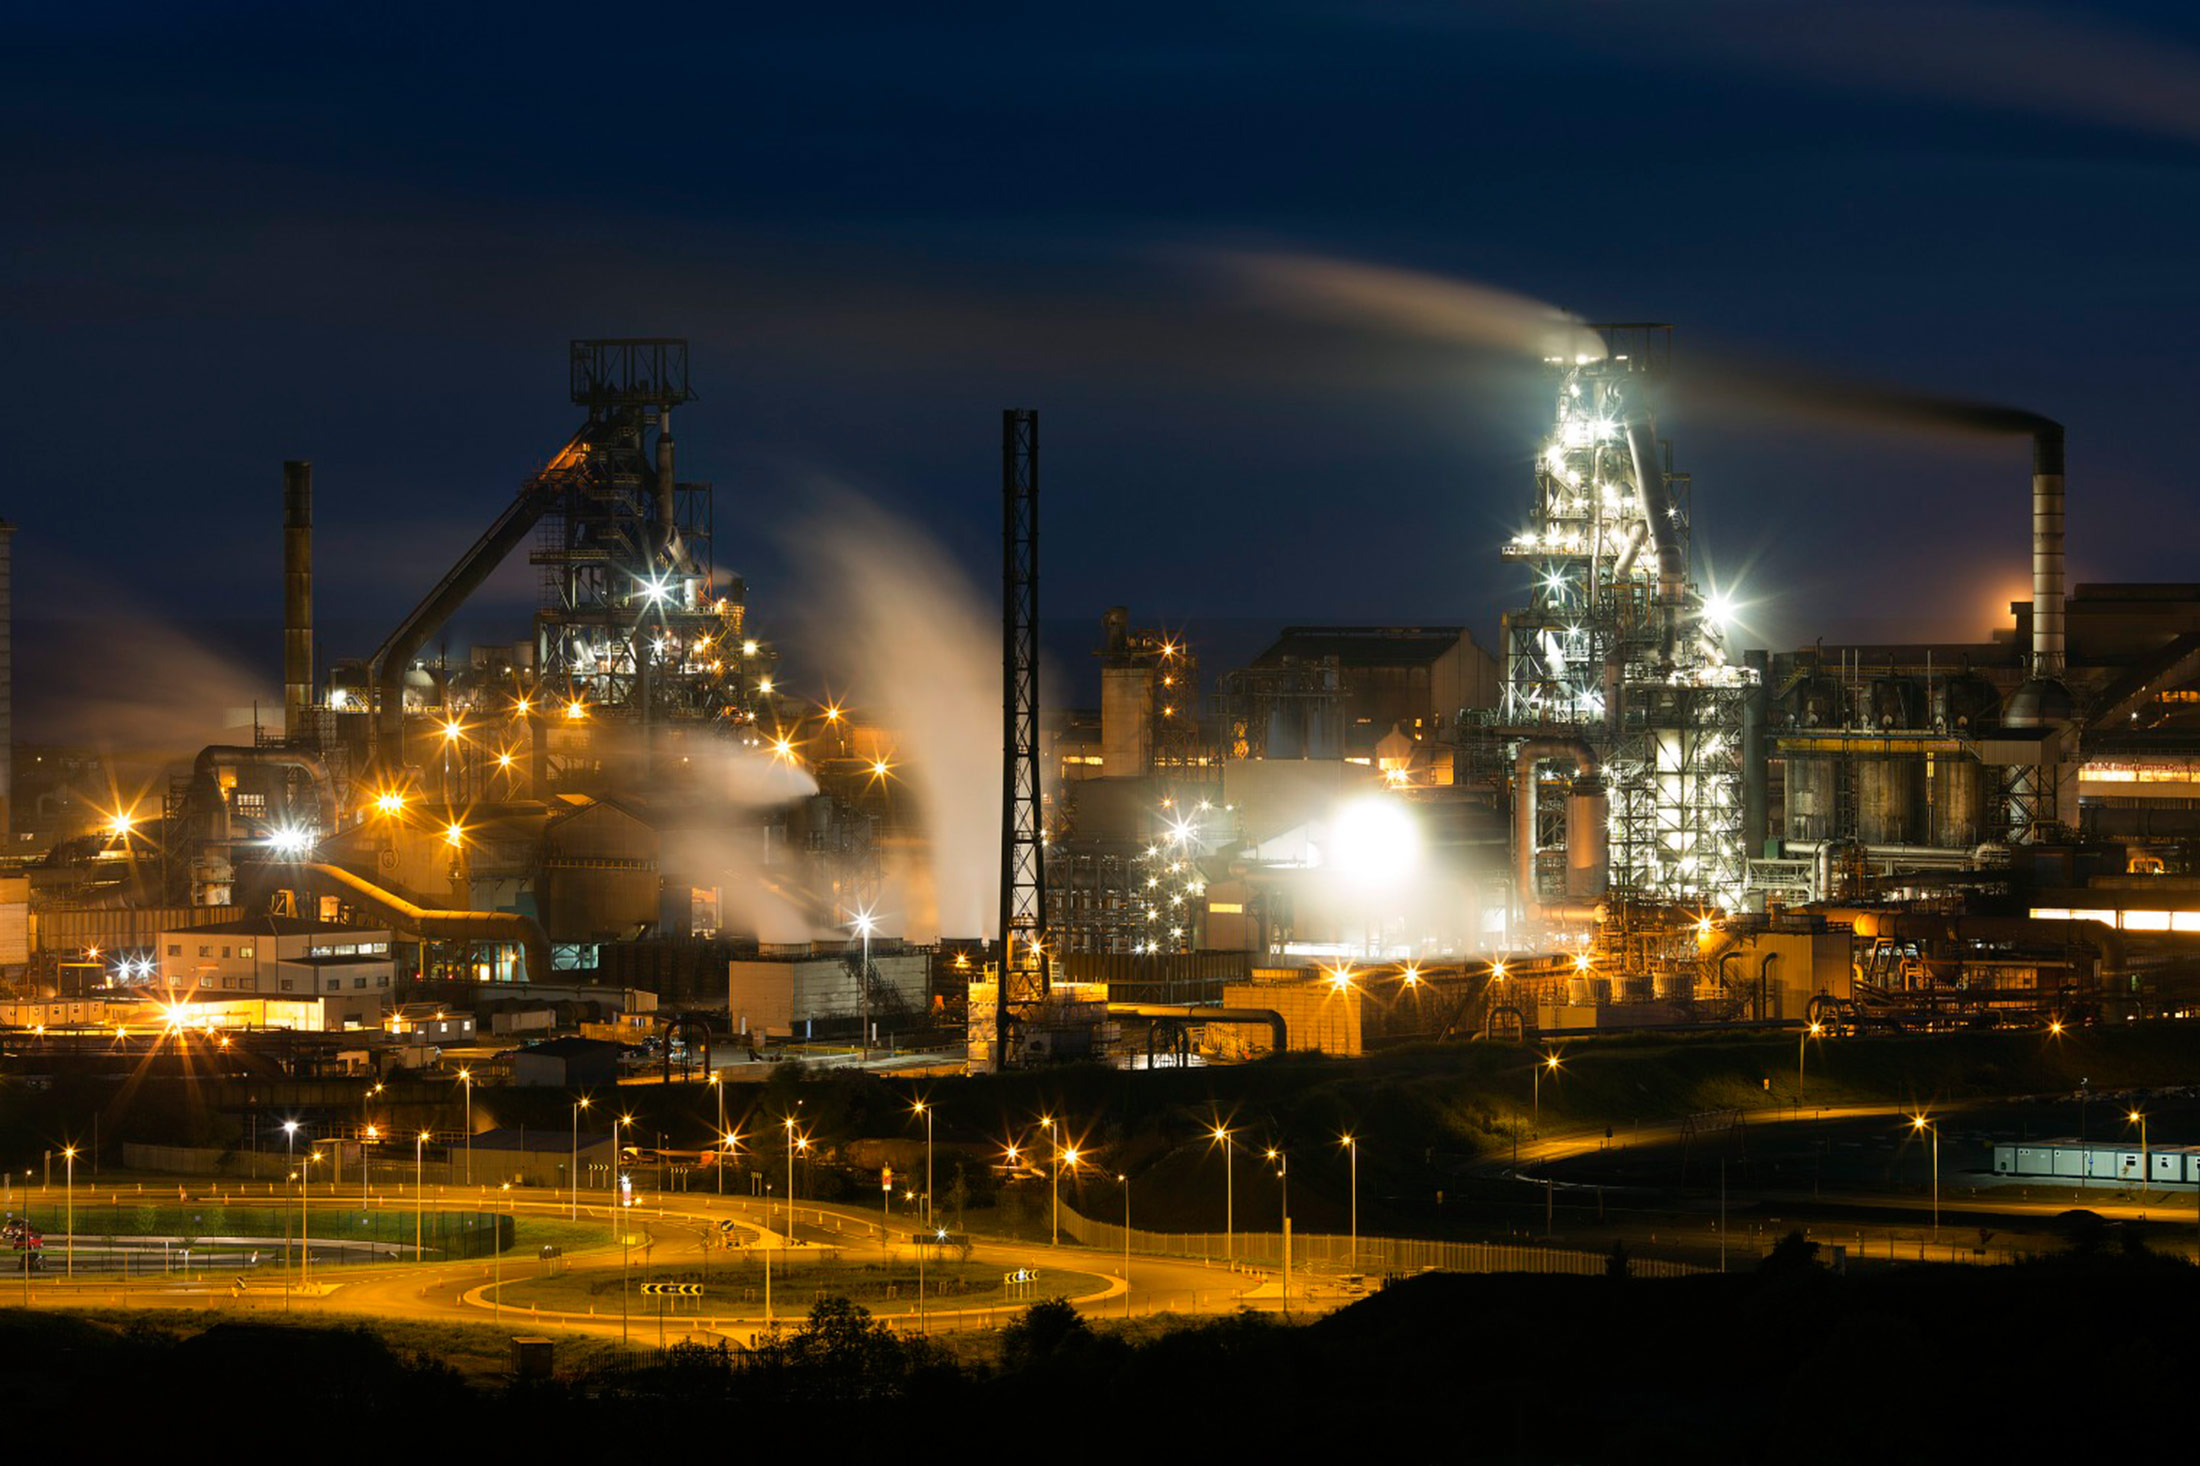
{"type": "Point", "coordinates": [472, 1291]}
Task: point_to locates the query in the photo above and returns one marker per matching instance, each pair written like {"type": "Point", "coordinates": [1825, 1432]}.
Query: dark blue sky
{"type": "Point", "coordinates": [239, 233]}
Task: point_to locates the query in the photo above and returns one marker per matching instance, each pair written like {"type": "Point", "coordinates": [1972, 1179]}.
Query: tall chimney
{"type": "Point", "coordinates": [7, 683]}
{"type": "Point", "coordinates": [297, 596]}
{"type": "Point", "coordinates": [2047, 550]}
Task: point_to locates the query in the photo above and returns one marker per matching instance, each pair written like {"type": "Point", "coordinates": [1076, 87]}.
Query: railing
{"type": "Point", "coordinates": [1383, 1255]}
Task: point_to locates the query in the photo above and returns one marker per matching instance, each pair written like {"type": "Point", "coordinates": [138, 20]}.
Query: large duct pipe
{"type": "Point", "coordinates": [665, 503]}
{"type": "Point", "coordinates": [1657, 510]}
{"type": "Point", "coordinates": [205, 781]}
{"type": "Point", "coordinates": [1586, 807]}
{"type": "Point", "coordinates": [297, 596]}
{"type": "Point", "coordinates": [1756, 767]}
{"type": "Point", "coordinates": [505, 927]}
{"type": "Point", "coordinates": [2047, 550]}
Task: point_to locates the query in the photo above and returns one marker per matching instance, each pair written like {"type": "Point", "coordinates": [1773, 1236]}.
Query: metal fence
{"type": "Point", "coordinates": [1379, 1255]}
{"type": "Point", "coordinates": [143, 1238]}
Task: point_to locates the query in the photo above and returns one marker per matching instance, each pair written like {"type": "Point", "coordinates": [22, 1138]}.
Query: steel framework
{"type": "Point", "coordinates": [1023, 976]}
{"type": "Point", "coordinates": [1617, 645]}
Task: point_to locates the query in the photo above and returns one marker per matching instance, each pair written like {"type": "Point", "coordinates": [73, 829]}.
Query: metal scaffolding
{"type": "Point", "coordinates": [1617, 645]}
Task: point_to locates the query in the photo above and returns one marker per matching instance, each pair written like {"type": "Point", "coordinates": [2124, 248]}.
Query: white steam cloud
{"type": "Point", "coordinates": [924, 651]}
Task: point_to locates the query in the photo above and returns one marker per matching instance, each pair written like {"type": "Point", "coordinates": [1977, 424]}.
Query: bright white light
{"type": "Point", "coordinates": [1718, 609]}
{"type": "Point", "coordinates": [1375, 841]}
{"type": "Point", "coordinates": [290, 840]}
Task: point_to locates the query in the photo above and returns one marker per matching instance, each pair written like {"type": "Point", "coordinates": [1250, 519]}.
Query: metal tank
{"type": "Point", "coordinates": [1811, 782]}
{"type": "Point", "coordinates": [1959, 801]}
{"type": "Point", "coordinates": [1890, 799]}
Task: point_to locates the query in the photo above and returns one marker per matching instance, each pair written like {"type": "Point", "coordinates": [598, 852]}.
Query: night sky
{"type": "Point", "coordinates": [363, 235]}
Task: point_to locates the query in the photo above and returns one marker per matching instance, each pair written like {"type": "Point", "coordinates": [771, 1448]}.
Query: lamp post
{"type": "Point", "coordinates": [926, 1110]}
{"type": "Point", "coordinates": [305, 1219]}
{"type": "Point", "coordinates": [1352, 1154]}
{"type": "Point", "coordinates": [618, 1148]}
{"type": "Point", "coordinates": [1547, 1065]}
{"type": "Point", "coordinates": [578, 1106]}
{"type": "Point", "coordinates": [2146, 1169]}
{"type": "Point", "coordinates": [1283, 1175]}
{"type": "Point", "coordinates": [1054, 1183]}
{"type": "Point", "coordinates": [1126, 1183]}
{"type": "Point", "coordinates": [372, 1135]}
{"type": "Point", "coordinates": [68, 1155]}
{"type": "Point", "coordinates": [1920, 1123]}
{"type": "Point", "coordinates": [466, 1077]}
{"type": "Point", "coordinates": [1229, 1203]}
{"type": "Point", "coordinates": [420, 1183]}
{"type": "Point", "coordinates": [863, 925]}
{"type": "Point", "coordinates": [1801, 1043]}
{"type": "Point", "coordinates": [290, 1169]}
{"type": "Point", "coordinates": [716, 1084]}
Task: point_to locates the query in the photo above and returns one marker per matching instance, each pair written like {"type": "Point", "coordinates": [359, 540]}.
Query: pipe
{"type": "Point", "coordinates": [7, 680]}
{"type": "Point", "coordinates": [507, 927]}
{"type": "Point", "coordinates": [215, 756]}
{"type": "Point", "coordinates": [1657, 510]}
{"type": "Point", "coordinates": [664, 499]}
{"type": "Point", "coordinates": [1636, 534]}
{"type": "Point", "coordinates": [1587, 804]}
{"type": "Point", "coordinates": [1756, 776]}
{"type": "Point", "coordinates": [386, 669]}
{"type": "Point", "coordinates": [1197, 1014]}
{"type": "Point", "coordinates": [2047, 550]}
{"type": "Point", "coordinates": [297, 596]}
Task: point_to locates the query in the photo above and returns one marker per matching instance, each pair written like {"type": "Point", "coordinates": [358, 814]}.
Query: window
{"type": "Point", "coordinates": [175, 949]}
{"type": "Point", "coordinates": [334, 983]}
{"type": "Point", "coordinates": [358, 982]}
{"type": "Point", "coordinates": [244, 951]}
{"type": "Point", "coordinates": [286, 984]}
{"type": "Point", "coordinates": [225, 951]}
{"type": "Point", "coordinates": [382, 982]}
{"type": "Point", "coordinates": [206, 951]}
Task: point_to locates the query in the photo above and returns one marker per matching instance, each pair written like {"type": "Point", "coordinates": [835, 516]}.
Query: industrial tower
{"type": "Point", "coordinates": [1618, 649]}
{"type": "Point", "coordinates": [1023, 975]}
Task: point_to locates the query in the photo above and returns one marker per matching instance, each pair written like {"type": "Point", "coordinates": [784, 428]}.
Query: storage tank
{"type": "Point", "coordinates": [1810, 795]}
{"type": "Point", "coordinates": [1890, 799]}
{"type": "Point", "coordinates": [1964, 702]}
{"type": "Point", "coordinates": [1959, 801]}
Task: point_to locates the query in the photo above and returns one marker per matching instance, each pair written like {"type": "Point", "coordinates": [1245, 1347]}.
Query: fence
{"type": "Point", "coordinates": [137, 1238]}
{"type": "Point", "coordinates": [1375, 1255]}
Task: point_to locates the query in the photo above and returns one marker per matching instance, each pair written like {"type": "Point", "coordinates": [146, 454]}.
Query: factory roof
{"type": "Point", "coordinates": [1365, 646]}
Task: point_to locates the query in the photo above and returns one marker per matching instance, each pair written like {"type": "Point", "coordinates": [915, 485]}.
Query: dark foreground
{"type": "Point", "coordinates": [2089, 1349]}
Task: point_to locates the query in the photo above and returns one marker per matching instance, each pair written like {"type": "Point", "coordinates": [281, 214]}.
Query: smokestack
{"type": "Point", "coordinates": [7, 683]}
{"type": "Point", "coordinates": [297, 596]}
{"type": "Point", "coordinates": [2047, 550]}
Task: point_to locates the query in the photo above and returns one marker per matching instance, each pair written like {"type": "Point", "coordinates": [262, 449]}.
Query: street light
{"type": "Point", "coordinates": [466, 1077]}
{"type": "Point", "coordinates": [1548, 1065]}
{"type": "Point", "coordinates": [305, 1219]}
{"type": "Point", "coordinates": [1352, 1153]}
{"type": "Point", "coordinates": [1125, 1180]}
{"type": "Point", "coordinates": [420, 1183]}
{"type": "Point", "coordinates": [2146, 1170]}
{"type": "Point", "coordinates": [373, 1134]}
{"type": "Point", "coordinates": [1283, 1175]}
{"type": "Point", "coordinates": [864, 925]}
{"type": "Point", "coordinates": [68, 1154]}
{"type": "Point", "coordinates": [290, 1168]}
{"type": "Point", "coordinates": [1229, 1203]}
{"type": "Point", "coordinates": [1802, 1041]}
{"type": "Point", "coordinates": [1061, 1158]}
{"type": "Point", "coordinates": [926, 1110]}
{"type": "Point", "coordinates": [721, 1167]}
{"type": "Point", "coordinates": [1920, 1123]}
{"type": "Point", "coordinates": [578, 1106]}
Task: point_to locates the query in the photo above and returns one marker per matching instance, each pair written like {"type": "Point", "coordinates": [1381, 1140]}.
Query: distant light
{"type": "Point", "coordinates": [763, 684]}
{"type": "Point", "coordinates": [576, 709]}
{"type": "Point", "coordinates": [748, 648]}
{"type": "Point", "coordinates": [290, 840]}
{"type": "Point", "coordinates": [454, 834]}
{"type": "Point", "coordinates": [389, 802]}
{"type": "Point", "coordinates": [1718, 609]}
